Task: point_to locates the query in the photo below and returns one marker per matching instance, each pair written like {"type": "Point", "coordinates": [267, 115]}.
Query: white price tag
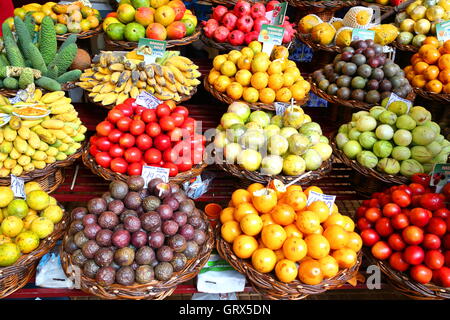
{"type": "Point", "coordinates": [17, 186]}
{"type": "Point", "coordinates": [149, 173]}
{"type": "Point", "coordinates": [314, 196]}
{"type": "Point", "coordinates": [147, 100]}
{"type": "Point", "coordinates": [393, 97]}
{"type": "Point", "coordinates": [280, 108]}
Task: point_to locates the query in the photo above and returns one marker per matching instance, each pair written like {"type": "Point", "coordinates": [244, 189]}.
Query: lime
{"type": "Point", "coordinates": [31, 186]}
{"type": "Point", "coordinates": [27, 241]}
{"type": "Point", "coordinates": [42, 226]}
{"type": "Point", "coordinates": [9, 253]}
{"type": "Point", "coordinates": [11, 226]}
{"type": "Point", "coordinates": [18, 208]}
{"type": "Point", "coordinates": [53, 212]}
{"type": "Point", "coordinates": [6, 196]}
{"type": "Point", "coordinates": [38, 200]}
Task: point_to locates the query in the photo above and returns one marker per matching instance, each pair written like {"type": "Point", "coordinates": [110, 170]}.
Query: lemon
{"type": "Point", "coordinates": [6, 196]}
{"type": "Point", "coordinates": [38, 200]}
{"type": "Point", "coordinates": [9, 253]}
{"type": "Point", "coordinates": [52, 201]}
{"type": "Point", "coordinates": [53, 212]}
{"type": "Point", "coordinates": [31, 186]}
{"type": "Point", "coordinates": [27, 241]}
{"type": "Point", "coordinates": [28, 221]}
{"type": "Point", "coordinates": [4, 239]}
{"type": "Point", "coordinates": [18, 208]}
{"type": "Point", "coordinates": [42, 226]}
{"type": "Point", "coordinates": [12, 226]}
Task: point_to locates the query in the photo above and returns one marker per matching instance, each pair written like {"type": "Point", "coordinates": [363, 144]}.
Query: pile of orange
{"type": "Point", "coordinates": [430, 66]}
{"type": "Point", "coordinates": [275, 228]}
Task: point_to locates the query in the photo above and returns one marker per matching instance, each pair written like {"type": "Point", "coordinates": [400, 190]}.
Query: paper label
{"type": "Point", "coordinates": [443, 31]}
{"type": "Point", "coordinates": [149, 173]}
{"type": "Point", "coordinates": [280, 108]}
{"type": "Point", "coordinates": [86, 3]}
{"type": "Point", "coordinates": [278, 14]}
{"type": "Point", "coordinates": [270, 36]}
{"type": "Point", "coordinates": [17, 186]}
{"type": "Point", "coordinates": [440, 176]}
{"type": "Point", "coordinates": [393, 97]}
{"type": "Point", "coordinates": [147, 100]}
{"type": "Point", "coordinates": [314, 196]}
{"type": "Point", "coordinates": [151, 49]}
{"type": "Point", "coordinates": [362, 34]}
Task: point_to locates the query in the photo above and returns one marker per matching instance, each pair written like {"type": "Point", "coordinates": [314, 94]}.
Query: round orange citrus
{"type": "Point", "coordinates": [243, 209]}
{"type": "Point", "coordinates": [264, 260]}
{"type": "Point", "coordinates": [321, 209]}
{"type": "Point", "coordinates": [354, 241]}
{"type": "Point", "coordinates": [346, 258]}
{"type": "Point", "coordinates": [294, 248]}
{"type": "Point", "coordinates": [244, 246]}
{"type": "Point", "coordinates": [318, 246]}
{"type": "Point", "coordinates": [296, 199]}
{"type": "Point", "coordinates": [273, 236]}
{"type": "Point", "coordinates": [336, 236]}
{"type": "Point", "coordinates": [292, 231]}
{"type": "Point", "coordinates": [286, 270]}
{"type": "Point", "coordinates": [240, 196]}
{"type": "Point", "coordinates": [307, 222]}
{"type": "Point", "coordinates": [230, 230]}
{"type": "Point", "coordinates": [283, 214]}
{"type": "Point", "coordinates": [227, 214]}
{"type": "Point", "coordinates": [251, 224]}
{"type": "Point", "coordinates": [329, 266]}
{"type": "Point", "coordinates": [309, 272]}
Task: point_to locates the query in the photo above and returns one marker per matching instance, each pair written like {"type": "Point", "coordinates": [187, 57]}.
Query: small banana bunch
{"type": "Point", "coordinates": [26, 145]}
{"type": "Point", "coordinates": [113, 78]}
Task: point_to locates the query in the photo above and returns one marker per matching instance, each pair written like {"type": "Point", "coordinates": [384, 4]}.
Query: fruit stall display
{"type": "Point", "coordinates": [429, 71]}
{"type": "Point", "coordinates": [256, 78]}
{"type": "Point", "coordinates": [132, 136]}
{"type": "Point", "coordinates": [135, 242]}
{"type": "Point", "coordinates": [288, 248]}
{"type": "Point", "coordinates": [232, 29]}
{"type": "Point", "coordinates": [392, 144]}
{"type": "Point", "coordinates": [419, 21]}
{"type": "Point", "coordinates": [36, 60]}
{"type": "Point", "coordinates": [153, 19]}
{"type": "Point", "coordinates": [360, 77]}
{"type": "Point", "coordinates": [115, 77]}
{"type": "Point", "coordinates": [260, 147]}
{"type": "Point", "coordinates": [406, 232]}
{"type": "Point", "coordinates": [74, 18]}
{"type": "Point", "coordinates": [29, 229]}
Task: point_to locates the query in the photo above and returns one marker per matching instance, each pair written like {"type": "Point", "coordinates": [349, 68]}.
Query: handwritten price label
{"type": "Point", "coordinates": [17, 186]}
{"type": "Point", "coordinates": [314, 196]}
{"type": "Point", "coordinates": [147, 100]}
{"type": "Point", "coordinates": [150, 173]}
{"type": "Point", "coordinates": [280, 108]}
{"type": "Point", "coordinates": [393, 97]}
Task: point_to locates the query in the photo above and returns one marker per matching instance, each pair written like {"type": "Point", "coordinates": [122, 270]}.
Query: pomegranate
{"type": "Point", "coordinates": [236, 37]}
{"type": "Point", "coordinates": [221, 34]}
{"type": "Point", "coordinates": [229, 20]}
{"type": "Point", "coordinates": [210, 26]}
{"type": "Point", "coordinates": [258, 10]}
{"type": "Point", "coordinates": [271, 5]}
{"type": "Point", "coordinates": [259, 22]}
{"type": "Point", "coordinates": [219, 12]}
{"type": "Point", "coordinates": [245, 23]}
{"type": "Point", "coordinates": [242, 8]}
{"type": "Point", "coordinates": [251, 36]}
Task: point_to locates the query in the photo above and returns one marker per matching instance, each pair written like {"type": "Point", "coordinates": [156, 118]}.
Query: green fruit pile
{"type": "Point", "coordinates": [25, 222]}
{"type": "Point", "coordinates": [273, 144]}
{"type": "Point", "coordinates": [393, 140]}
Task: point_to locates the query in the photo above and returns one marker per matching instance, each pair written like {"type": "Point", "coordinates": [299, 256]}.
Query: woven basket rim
{"type": "Point", "coordinates": [404, 47]}
{"type": "Point", "coordinates": [223, 46]}
{"type": "Point", "coordinates": [321, 5]}
{"type": "Point", "coordinates": [82, 35]}
{"type": "Point", "coordinates": [306, 39]}
{"type": "Point", "coordinates": [439, 97]}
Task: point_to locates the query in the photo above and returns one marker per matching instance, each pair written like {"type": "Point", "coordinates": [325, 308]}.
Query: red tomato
{"type": "Point", "coordinates": [446, 241]}
{"type": "Point", "coordinates": [421, 178]}
{"type": "Point", "coordinates": [437, 226]}
{"type": "Point", "coordinates": [363, 224]}
{"type": "Point", "coordinates": [434, 259]}
{"type": "Point", "coordinates": [114, 135]}
{"type": "Point", "coordinates": [134, 169]}
{"type": "Point", "coordinates": [162, 142]}
{"type": "Point", "coordinates": [139, 109]}
{"type": "Point", "coordinates": [130, 102]}
{"type": "Point", "coordinates": [381, 250]}
{"type": "Point", "coordinates": [397, 263]}
{"type": "Point", "coordinates": [419, 217]}
{"type": "Point", "coordinates": [93, 150]}
{"type": "Point", "coordinates": [173, 169]}
{"type": "Point", "coordinates": [133, 155]}
{"type": "Point", "coordinates": [431, 241]}
{"type": "Point", "coordinates": [103, 144]}
{"type": "Point", "coordinates": [116, 151]}
{"type": "Point", "coordinates": [153, 129]}
{"type": "Point", "coordinates": [104, 128]}
{"type": "Point", "coordinates": [361, 211]}
{"type": "Point", "coordinates": [369, 237]}
{"type": "Point", "coordinates": [407, 189]}
{"type": "Point", "coordinates": [189, 127]}
{"type": "Point", "coordinates": [446, 191]}
{"type": "Point", "coordinates": [414, 255]}
{"type": "Point", "coordinates": [175, 134]}
{"type": "Point", "coordinates": [373, 214]}
{"type": "Point", "coordinates": [137, 127]}
{"type": "Point", "coordinates": [103, 159]}
{"type": "Point", "coordinates": [170, 155]}
{"type": "Point", "coordinates": [126, 110]}
{"type": "Point", "coordinates": [167, 123]}
{"type": "Point", "coordinates": [415, 200]}
{"type": "Point", "coordinates": [114, 115]}
{"type": "Point", "coordinates": [181, 110]}
{"type": "Point", "coordinates": [391, 209]}
{"type": "Point", "coordinates": [127, 141]}
{"type": "Point", "coordinates": [148, 115]}
{"type": "Point", "coordinates": [144, 142]}
{"type": "Point", "coordinates": [443, 213]}
{"type": "Point", "coordinates": [178, 118]}
{"type": "Point", "coordinates": [162, 110]}
{"type": "Point", "coordinates": [152, 156]}
{"type": "Point", "coordinates": [374, 203]}
{"type": "Point", "coordinates": [412, 235]}
{"type": "Point", "coordinates": [417, 188]}
{"type": "Point", "coordinates": [400, 221]}
{"type": "Point", "coordinates": [443, 276]}
{"type": "Point", "coordinates": [198, 154]}
{"type": "Point", "coordinates": [123, 124]}
{"type": "Point", "coordinates": [183, 148]}
{"type": "Point", "coordinates": [421, 274]}
{"type": "Point", "coordinates": [93, 139]}
{"type": "Point", "coordinates": [185, 165]}
{"type": "Point", "coordinates": [384, 199]}
{"type": "Point", "coordinates": [401, 197]}
{"type": "Point", "coordinates": [447, 258]}
{"type": "Point", "coordinates": [432, 201]}
{"type": "Point", "coordinates": [383, 227]}
{"type": "Point", "coordinates": [366, 203]}
{"type": "Point", "coordinates": [396, 242]}
{"type": "Point", "coordinates": [119, 165]}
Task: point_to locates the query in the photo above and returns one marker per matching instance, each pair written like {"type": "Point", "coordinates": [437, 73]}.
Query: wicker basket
{"type": "Point", "coordinates": [82, 35]}
{"type": "Point", "coordinates": [306, 39]}
{"type": "Point", "coordinates": [155, 290]}
{"type": "Point", "coordinates": [18, 275]}
{"type": "Point", "coordinates": [223, 97]}
{"type": "Point", "coordinates": [405, 285]}
{"type": "Point", "coordinates": [404, 47]}
{"type": "Point", "coordinates": [110, 175]}
{"type": "Point", "coordinates": [267, 285]}
{"type": "Point", "coordinates": [232, 2]}
{"type": "Point", "coordinates": [319, 6]}
{"type": "Point", "coordinates": [347, 103]}
{"type": "Point", "coordinates": [388, 178]}
{"type": "Point", "coordinates": [9, 93]}
{"type": "Point", "coordinates": [225, 46]}
{"type": "Point", "coordinates": [438, 97]}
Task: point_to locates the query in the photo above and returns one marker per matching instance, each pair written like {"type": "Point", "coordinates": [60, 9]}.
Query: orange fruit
{"type": "Point", "coordinates": [280, 255]}
{"type": "Point", "coordinates": [267, 219]}
{"type": "Point", "coordinates": [230, 204]}
{"type": "Point", "coordinates": [321, 209]}
{"type": "Point", "coordinates": [419, 81]}
{"type": "Point", "coordinates": [267, 95]}
{"type": "Point", "coordinates": [254, 187]}
{"type": "Point", "coordinates": [293, 187]}
{"type": "Point", "coordinates": [336, 236]}
{"type": "Point", "coordinates": [296, 199]}
{"type": "Point", "coordinates": [434, 86]}
{"type": "Point", "coordinates": [354, 241]}
{"type": "Point", "coordinates": [286, 270]}
{"type": "Point", "coordinates": [334, 208]}
{"type": "Point", "coordinates": [446, 46]}
{"type": "Point", "coordinates": [227, 214]}
{"type": "Point", "coordinates": [264, 260]}
{"type": "Point", "coordinates": [335, 218]}
{"type": "Point", "coordinates": [242, 210]}
{"type": "Point", "coordinates": [329, 266]}
{"type": "Point", "coordinates": [276, 81]}
{"type": "Point", "coordinates": [309, 272]}
{"type": "Point", "coordinates": [251, 224]}
{"type": "Point", "coordinates": [431, 73]}
{"type": "Point", "coordinates": [273, 236]}
{"type": "Point", "coordinates": [346, 258]}
{"type": "Point", "coordinates": [230, 230]}
{"type": "Point", "coordinates": [447, 88]}
{"type": "Point", "coordinates": [292, 231]}
{"type": "Point", "coordinates": [318, 231]}
{"type": "Point", "coordinates": [259, 80]}
{"type": "Point", "coordinates": [318, 246]}
{"type": "Point", "coordinates": [283, 214]}
{"type": "Point", "coordinates": [294, 248]}
{"type": "Point", "coordinates": [415, 58]}
{"type": "Point", "coordinates": [240, 196]}
{"type": "Point", "coordinates": [431, 56]}
{"type": "Point", "coordinates": [444, 76]}
{"type": "Point", "coordinates": [307, 222]}
{"type": "Point", "coordinates": [313, 188]}
{"type": "Point", "coordinates": [424, 48]}
{"type": "Point", "coordinates": [431, 40]}
{"type": "Point", "coordinates": [349, 225]}
{"type": "Point", "coordinates": [278, 186]}
{"type": "Point", "coordinates": [264, 200]}
{"type": "Point", "coordinates": [442, 51]}
{"type": "Point", "coordinates": [408, 68]}
{"type": "Point", "coordinates": [420, 67]}
{"type": "Point", "coordinates": [410, 75]}
{"type": "Point", "coordinates": [244, 246]}
{"type": "Point", "coordinates": [444, 61]}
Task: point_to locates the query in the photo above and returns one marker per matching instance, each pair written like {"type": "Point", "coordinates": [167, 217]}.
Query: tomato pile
{"type": "Point", "coordinates": [132, 136]}
{"type": "Point", "coordinates": [409, 226]}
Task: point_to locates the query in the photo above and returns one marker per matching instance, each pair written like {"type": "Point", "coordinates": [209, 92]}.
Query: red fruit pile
{"type": "Point", "coordinates": [243, 23]}
{"type": "Point", "coordinates": [132, 136]}
{"type": "Point", "coordinates": [409, 226]}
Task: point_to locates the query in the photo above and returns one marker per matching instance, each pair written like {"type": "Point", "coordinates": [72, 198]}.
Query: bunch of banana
{"type": "Point", "coordinates": [113, 78]}
{"type": "Point", "coordinates": [26, 145]}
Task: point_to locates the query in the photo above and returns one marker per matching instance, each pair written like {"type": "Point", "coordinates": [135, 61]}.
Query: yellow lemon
{"type": "Point", "coordinates": [27, 241]}
{"type": "Point", "coordinates": [6, 196]}
{"type": "Point", "coordinates": [259, 80]}
{"type": "Point", "coordinates": [53, 212]}
{"type": "Point", "coordinates": [250, 95]}
{"type": "Point", "coordinates": [38, 200]}
{"type": "Point", "coordinates": [12, 226]}
{"type": "Point", "coordinates": [42, 226]}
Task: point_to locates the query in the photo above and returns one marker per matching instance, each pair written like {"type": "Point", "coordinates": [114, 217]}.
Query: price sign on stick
{"type": "Point", "coordinates": [314, 196]}
{"type": "Point", "coordinates": [270, 36]}
{"type": "Point", "coordinates": [151, 49]}
{"type": "Point", "coordinates": [443, 31]}
{"type": "Point", "coordinates": [17, 186]}
{"type": "Point", "coordinates": [393, 98]}
{"type": "Point", "coordinates": [362, 34]}
{"type": "Point", "coordinates": [149, 173]}
{"type": "Point", "coordinates": [277, 15]}
{"type": "Point", "coordinates": [147, 100]}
